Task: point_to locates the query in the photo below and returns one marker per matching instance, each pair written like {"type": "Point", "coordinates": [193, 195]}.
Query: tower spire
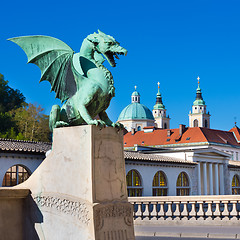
{"type": "Point", "coordinates": [159, 112]}
{"type": "Point", "coordinates": [199, 116]}
{"type": "Point", "coordinates": [159, 103]}
{"type": "Point", "coordinates": [199, 99]}
{"type": "Point", "coordinates": [198, 78]}
{"type": "Point", "coordinates": [158, 89]}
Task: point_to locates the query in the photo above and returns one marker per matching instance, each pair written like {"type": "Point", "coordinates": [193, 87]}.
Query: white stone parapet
{"type": "Point", "coordinates": [205, 209]}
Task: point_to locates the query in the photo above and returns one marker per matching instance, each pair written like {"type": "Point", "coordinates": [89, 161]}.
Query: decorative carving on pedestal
{"type": "Point", "coordinates": [113, 221]}
{"type": "Point", "coordinates": [64, 205]}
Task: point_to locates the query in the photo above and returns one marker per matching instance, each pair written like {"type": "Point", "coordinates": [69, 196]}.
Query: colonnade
{"type": "Point", "coordinates": [210, 178]}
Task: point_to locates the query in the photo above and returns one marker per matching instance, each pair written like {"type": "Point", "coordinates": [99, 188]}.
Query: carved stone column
{"type": "Point", "coordinates": [210, 179]}
{"type": "Point", "coordinates": [199, 178]}
{"type": "Point", "coordinates": [221, 182]}
{"type": "Point", "coordinates": [79, 191]}
{"type": "Point", "coordinates": [204, 178]}
{"type": "Point", "coordinates": [216, 179]}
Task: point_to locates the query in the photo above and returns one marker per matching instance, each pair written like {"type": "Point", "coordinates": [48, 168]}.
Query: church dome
{"type": "Point", "coordinates": [135, 111]}
{"type": "Point", "coordinates": [135, 93]}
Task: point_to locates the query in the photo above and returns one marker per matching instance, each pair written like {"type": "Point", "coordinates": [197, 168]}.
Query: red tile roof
{"type": "Point", "coordinates": [190, 135]}
{"type": "Point", "coordinates": [236, 132]}
{"type": "Point", "coordinates": [149, 127]}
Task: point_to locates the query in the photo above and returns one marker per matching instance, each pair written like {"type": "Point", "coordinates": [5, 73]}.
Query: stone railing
{"type": "Point", "coordinates": [188, 208]}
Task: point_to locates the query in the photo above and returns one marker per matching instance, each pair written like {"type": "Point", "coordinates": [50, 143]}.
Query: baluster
{"type": "Point", "coordinates": [154, 212]}
{"type": "Point", "coordinates": [175, 209]}
{"type": "Point", "coordinates": [138, 212]}
{"type": "Point", "coordinates": [225, 212]}
{"type": "Point", "coordinates": [192, 213]}
{"type": "Point", "coordinates": [169, 209]}
{"type": "Point", "coordinates": [217, 213]}
{"type": "Point", "coordinates": [184, 212]}
{"type": "Point", "coordinates": [234, 212]}
{"type": "Point", "coordinates": [208, 209]}
{"type": "Point", "coordinates": [147, 212]}
{"type": "Point", "coordinates": [200, 212]}
{"type": "Point", "coordinates": [161, 212]}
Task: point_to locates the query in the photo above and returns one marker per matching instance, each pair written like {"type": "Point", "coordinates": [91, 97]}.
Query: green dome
{"type": "Point", "coordinates": [135, 111]}
{"type": "Point", "coordinates": [198, 102]}
{"type": "Point", "coordinates": [135, 93]}
{"type": "Point", "coordinates": [199, 99]}
{"type": "Point", "coordinates": [158, 106]}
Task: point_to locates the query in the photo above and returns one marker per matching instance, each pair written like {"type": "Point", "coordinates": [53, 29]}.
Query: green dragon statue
{"type": "Point", "coordinates": [79, 80]}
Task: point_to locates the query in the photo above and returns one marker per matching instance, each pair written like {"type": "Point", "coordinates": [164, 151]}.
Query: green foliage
{"type": "Point", "coordinates": [9, 98]}
{"type": "Point", "coordinates": [6, 122]}
{"type": "Point", "coordinates": [19, 120]}
{"type": "Point", "coordinates": [11, 134]}
{"type": "Point", "coordinates": [32, 123]}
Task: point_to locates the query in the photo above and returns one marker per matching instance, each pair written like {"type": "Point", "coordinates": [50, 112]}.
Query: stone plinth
{"type": "Point", "coordinates": [12, 213]}
{"type": "Point", "coordinates": [79, 190]}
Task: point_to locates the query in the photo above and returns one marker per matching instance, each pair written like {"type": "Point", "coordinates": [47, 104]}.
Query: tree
{"type": "Point", "coordinates": [32, 123]}
{"type": "Point", "coordinates": [9, 98]}
{"type": "Point", "coordinates": [19, 120]}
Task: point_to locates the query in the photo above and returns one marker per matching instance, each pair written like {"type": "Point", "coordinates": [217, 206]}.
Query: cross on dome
{"type": "Point", "coordinates": [158, 84]}
{"type": "Point", "coordinates": [135, 87]}
{"type": "Point", "coordinates": [198, 78]}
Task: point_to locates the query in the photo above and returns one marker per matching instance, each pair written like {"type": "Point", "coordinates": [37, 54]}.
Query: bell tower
{"type": "Point", "coordinates": [159, 112]}
{"type": "Point", "coordinates": [199, 116]}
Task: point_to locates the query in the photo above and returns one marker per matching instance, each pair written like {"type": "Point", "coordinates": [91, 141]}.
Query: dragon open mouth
{"type": "Point", "coordinates": [110, 57]}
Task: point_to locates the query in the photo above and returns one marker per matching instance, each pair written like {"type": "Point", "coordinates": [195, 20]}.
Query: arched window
{"type": "Point", "coordinates": [195, 123]}
{"type": "Point", "coordinates": [139, 128]}
{"type": "Point", "coordinates": [165, 126]}
{"type": "Point", "coordinates": [235, 185]}
{"type": "Point", "coordinates": [15, 175]}
{"type": "Point", "coordinates": [134, 185]}
{"type": "Point", "coordinates": [206, 123]}
{"type": "Point", "coordinates": [159, 184]}
{"type": "Point", "coordinates": [183, 188]}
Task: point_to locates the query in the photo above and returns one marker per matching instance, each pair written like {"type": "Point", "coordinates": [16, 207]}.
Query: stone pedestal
{"type": "Point", "coordinates": [79, 190]}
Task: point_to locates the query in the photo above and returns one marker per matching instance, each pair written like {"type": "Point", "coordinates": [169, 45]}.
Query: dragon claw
{"type": "Point", "coordinates": [117, 125]}
{"type": "Point", "coordinates": [98, 123]}
{"type": "Point", "coordinates": [61, 124]}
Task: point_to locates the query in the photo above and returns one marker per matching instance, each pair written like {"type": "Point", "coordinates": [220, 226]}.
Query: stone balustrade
{"type": "Point", "coordinates": [221, 208]}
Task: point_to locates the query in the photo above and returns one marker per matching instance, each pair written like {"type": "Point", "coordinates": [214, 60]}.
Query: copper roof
{"type": "Point", "coordinates": [24, 146]}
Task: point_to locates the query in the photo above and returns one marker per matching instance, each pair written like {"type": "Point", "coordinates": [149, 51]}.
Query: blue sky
{"type": "Point", "coordinates": [172, 42]}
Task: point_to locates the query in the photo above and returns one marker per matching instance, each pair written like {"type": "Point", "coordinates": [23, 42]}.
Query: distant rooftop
{"type": "Point", "coordinates": [182, 136]}
{"type": "Point", "coordinates": [131, 155]}
{"type": "Point", "coordinates": [24, 146]}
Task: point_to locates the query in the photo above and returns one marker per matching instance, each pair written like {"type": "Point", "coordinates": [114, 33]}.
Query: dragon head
{"type": "Point", "coordinates": [107, 46]}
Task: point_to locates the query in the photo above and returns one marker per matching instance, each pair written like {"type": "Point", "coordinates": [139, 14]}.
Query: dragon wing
{"type": "Point", "coordinates": [54, 58]}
